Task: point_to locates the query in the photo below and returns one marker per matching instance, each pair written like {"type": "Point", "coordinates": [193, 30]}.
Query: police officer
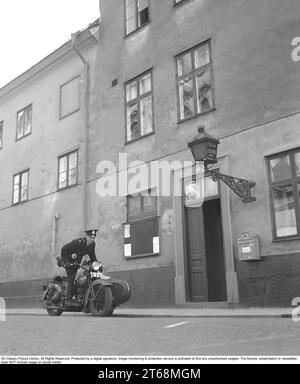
{"type": "Point", "coordinates": [73, 252]}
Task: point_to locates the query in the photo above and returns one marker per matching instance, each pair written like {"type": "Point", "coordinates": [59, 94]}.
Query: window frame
{"type": "Point", "coordinates": [29, 106]}
{"type": "Point", "coordinates": [1, 134]}
{"type": "Point", "coordinates": [193, 75]}
{"type": "Point", "coordinates": [138, 219]}
{"type": "Point", "coordinates": [137, 101]}
{"type": "Point", "coordinates": [143, 215]}
{"type": "Point", "coordinates": [175, 3]}
{"type": "Point", "coordinates": [20, 174]}
{"type": "Point", "coordinates": [68, 154]}
{"type": "Point", "coordinates": [61, 116]}
{"type": "Point", "coordinates": [136, 19]}
{"type": "Point", "coordinates": [293, 181]}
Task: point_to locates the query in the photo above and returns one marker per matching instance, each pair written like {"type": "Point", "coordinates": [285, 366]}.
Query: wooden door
{"type": "Point", "coordinates": [196, 257]}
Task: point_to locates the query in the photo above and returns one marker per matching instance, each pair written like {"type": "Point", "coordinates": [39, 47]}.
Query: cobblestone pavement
{"type": "Point", "coordinates": [129, 336]}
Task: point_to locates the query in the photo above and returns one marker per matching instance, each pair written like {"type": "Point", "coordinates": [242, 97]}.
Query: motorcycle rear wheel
{"type": "Point", "coordinates": [54, 312]}
{"type": "Point", "coordinates": [102, 305]}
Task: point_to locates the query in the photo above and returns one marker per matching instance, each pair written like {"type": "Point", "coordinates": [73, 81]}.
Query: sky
{"type": "Point", "coordinates": [32, 29]}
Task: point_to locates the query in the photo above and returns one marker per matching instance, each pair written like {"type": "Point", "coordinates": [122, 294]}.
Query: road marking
{"type": "Point", "coordinates": [176, 325]}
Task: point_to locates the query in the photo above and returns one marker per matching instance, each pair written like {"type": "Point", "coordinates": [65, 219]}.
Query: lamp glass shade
{"type": "Point", "coordinates": [204, 150]}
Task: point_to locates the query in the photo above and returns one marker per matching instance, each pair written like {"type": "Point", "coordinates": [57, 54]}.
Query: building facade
{"type": "Point", "coordinates": [161, 69]}
{"type": "Point", "coordinates": [42, 155]}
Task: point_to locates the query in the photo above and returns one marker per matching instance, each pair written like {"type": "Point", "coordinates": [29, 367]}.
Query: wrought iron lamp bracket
{"type": "Point", "coordinates": [240, 187]}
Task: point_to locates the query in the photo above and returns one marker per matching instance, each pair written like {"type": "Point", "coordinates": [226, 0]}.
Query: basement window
{"type": "Point", "coordinates": [136, 13]}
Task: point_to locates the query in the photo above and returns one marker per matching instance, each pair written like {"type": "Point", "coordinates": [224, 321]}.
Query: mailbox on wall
{"type": "Point", "coordinates": [248, 247]}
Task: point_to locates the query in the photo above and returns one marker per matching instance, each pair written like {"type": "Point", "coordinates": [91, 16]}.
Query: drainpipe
{"type": "Point", "coordinates": [85, 125]}
{"type": "Point", "coordinates": [54, 231]}
{"type": "Point", "coordinates": [92, 30]}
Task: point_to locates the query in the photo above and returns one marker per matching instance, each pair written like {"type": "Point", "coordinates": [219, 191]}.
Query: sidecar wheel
{"type": "Point", "coordinates": [54, 312]}
{"type": "Point", "coordinates": [102, 304]}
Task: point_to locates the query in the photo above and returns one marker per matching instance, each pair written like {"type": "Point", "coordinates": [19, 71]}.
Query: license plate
{"type": "Point", "coordinates": [96, 274]}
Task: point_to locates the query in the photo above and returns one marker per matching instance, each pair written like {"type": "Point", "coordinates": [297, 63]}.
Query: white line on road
{"type": "Point", "coordinates": [176, 325]}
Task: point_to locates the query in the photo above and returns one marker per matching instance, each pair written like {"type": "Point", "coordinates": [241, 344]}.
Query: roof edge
{"type": "Point", "coordinates": [65, 51]}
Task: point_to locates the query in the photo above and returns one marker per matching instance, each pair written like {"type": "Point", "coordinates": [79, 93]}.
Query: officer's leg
{"type": "Point", "coordinates": [71, 273]}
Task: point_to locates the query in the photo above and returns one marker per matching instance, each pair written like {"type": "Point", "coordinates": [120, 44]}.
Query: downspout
{"type": "Point", "coordinates": [85, 89]}
{"type": "Point", "coordinates": [54, 232]}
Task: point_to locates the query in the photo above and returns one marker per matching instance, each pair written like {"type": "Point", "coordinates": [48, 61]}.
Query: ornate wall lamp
{"type": "Point", "coordinates": [204, 148]}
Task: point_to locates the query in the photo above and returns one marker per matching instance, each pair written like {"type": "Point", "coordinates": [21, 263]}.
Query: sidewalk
{"type": "Point", "coordinates": [176, 312]}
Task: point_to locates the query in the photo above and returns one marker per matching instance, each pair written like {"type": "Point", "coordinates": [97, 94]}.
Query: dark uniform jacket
{"type": "Point", "coordinates": [74, 251]}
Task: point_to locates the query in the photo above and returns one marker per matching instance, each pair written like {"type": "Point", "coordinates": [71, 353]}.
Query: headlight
{"type": "Point", "coordinates": [96, 266]}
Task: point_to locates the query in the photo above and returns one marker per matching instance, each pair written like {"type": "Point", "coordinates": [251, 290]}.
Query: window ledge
{"type": "Point", "coordinates": [136, 220]}
{"type": "Point", "coordinates": [138, 29]}
{"type": "Point", "coordinates": [180, 3]}
{"type": "Point", "coordinates": [140, 137]}
{"type": "Point", "coordinates": [62, 117]}
{"type": "Point", "coordinates": [68, 187]}
{"type": "Point", "coordinates": [19, 203]}
{"type": "Point", "coordinates": [22, 137]}
{"type": "Point", "coordinates": [282, 239]}
{"type": "Point", "coordinates": [142, 255]}
{"type": "Point", "coordinates": [197, 115]}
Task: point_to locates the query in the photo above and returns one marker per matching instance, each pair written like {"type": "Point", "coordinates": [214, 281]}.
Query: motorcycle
{"type": "Point", "coordinates": [95, 292]}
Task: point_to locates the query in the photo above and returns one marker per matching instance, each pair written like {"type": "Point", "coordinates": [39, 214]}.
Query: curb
{"type": "Point", "coordinates": [160, 315]}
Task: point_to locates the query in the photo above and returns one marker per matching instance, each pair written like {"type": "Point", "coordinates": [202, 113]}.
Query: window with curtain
{"type": "Point", "coordinates": [284, 184]}
{"type": "Point", "coordinates": [139, 107]}
{"type": "Point", "coordinates": [194, 82]}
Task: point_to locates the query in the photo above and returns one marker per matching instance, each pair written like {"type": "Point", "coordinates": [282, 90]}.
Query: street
{"type": "Point", "coordinates": [73, 334]}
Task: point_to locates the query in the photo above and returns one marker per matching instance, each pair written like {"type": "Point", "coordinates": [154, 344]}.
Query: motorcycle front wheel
{"type": "Point", "coordinates": [102, 304]}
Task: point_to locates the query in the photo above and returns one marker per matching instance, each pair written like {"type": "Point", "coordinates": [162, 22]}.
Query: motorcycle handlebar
{"type": "Point", "coordinates": [82, 265]}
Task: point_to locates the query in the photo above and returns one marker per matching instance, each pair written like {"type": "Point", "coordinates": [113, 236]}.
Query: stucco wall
{"type": "Point", "coordinates": [253, 71]}
{"type": "Point", "coordinates": [274, 279]}
{"type": "Point", "coordinates": [255, 84]}
{"type": "Point", "coordinates": [26, 229]}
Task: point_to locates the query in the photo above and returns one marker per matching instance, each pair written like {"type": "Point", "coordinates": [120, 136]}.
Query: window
{"type": "Point", "coordinates": [194, 82]}
{"type": "Point", "coordinates": [1, 134]}
{"type": "Point", "coordinates": [139, 112]}
{"type": "Point", "coordinates": [68, 170]}
{"type": "Point", "coordinates": [137, 14]}
{"type": "Point", "coordinates": [284, 181]}
{"type": "Point", "coordinates": [69, 98]}
{"type": "Point", "coordinates": [141, 234]}
{"type": "Point", "coordinates": [20, 187]}
{"type": "Point", "coordinates": [24, 119]}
